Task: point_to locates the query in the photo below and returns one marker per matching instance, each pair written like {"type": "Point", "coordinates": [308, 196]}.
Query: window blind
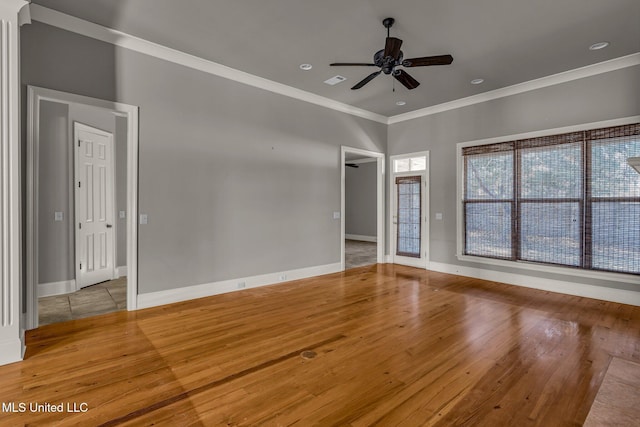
{"type": "Point", "coordinates": [409, 212]}
{"type": "Point", "coordinates": [568, 199]}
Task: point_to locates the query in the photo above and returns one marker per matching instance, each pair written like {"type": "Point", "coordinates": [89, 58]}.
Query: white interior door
{"type": "Point", "coordinates": [409, 210]}
{"type": "Point", "coordinates": [94, 205]}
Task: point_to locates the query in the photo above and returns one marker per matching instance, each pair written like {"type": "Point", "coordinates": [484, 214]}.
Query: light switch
{"type": "Point", "coordinates": [122, 214]}
{"type": "Point", "coordinates": [438, 215]}
{"type": "Point", "coordinates": [144, 219]}
{"type": "Point", "coordinates": [58, 216]}
{"type": "Point", "coordinates": [336, 215]}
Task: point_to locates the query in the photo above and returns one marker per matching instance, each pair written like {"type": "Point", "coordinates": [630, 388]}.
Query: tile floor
{"type": "Point", "coordinates": [357, 253]}
{"type": "Point", "coordinates": [93, 300]}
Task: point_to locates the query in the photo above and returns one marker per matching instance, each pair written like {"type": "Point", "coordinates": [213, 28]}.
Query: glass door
{"type": "Point", "coordinates": [410, 210]}
{"type": "Point", "coordinates": [409, 214]}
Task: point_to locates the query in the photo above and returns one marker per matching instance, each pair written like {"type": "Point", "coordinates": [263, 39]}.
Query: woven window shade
{"type": "Point", "coordinates": [409, 212]}
{"type": "Point", "coordinates": [569, 199]}
{"type": "Point", "coordinates": [613, 204]}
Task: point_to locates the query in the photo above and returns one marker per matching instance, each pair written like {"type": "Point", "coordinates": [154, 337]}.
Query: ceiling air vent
{"type": "Point", "coordinates": [335, 80]}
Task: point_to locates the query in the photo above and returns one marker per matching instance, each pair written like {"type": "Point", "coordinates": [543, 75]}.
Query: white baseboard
{"type": "Point", "coordinates": [10, 351]}
{"type": "Point", "coordinates": [56, 288]}
{"type": "Point", "coordinates": [208, 289]}
{"type": "Point", "coordinates": [121, 271]}
{"type": "Point", "coordinates": [361, 237]}
{"type": "Point", "coordinates": [388, 259]}
{"type": "Point", "coordinates": [571, 288]}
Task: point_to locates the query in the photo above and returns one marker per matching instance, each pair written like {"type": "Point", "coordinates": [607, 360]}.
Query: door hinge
{"type": "Point", "coordinates": [80, 266]}
{"type": "Point", "coordinates": [80, 225]}
{"type": "Point", "coordinates": [79, 184]}
{"type": "Point", "coordinates": [78, 143]}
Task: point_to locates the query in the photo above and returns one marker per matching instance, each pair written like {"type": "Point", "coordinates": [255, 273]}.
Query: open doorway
{"type": "Point", "coordinates": [81, 255]}
{"type": "Point", "coordinates": [362, 208]}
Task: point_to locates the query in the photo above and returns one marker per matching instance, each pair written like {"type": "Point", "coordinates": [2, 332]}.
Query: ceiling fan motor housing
{"type": "Point", "coordinates": [388, 63]}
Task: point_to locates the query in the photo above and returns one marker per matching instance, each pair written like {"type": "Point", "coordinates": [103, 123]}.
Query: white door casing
{"type": "Point", "coordinates": [35, 97]}
{"type": "Point", "coordinates": [380, 191]}
{"type": "Point", "coordinates": [94, 205]}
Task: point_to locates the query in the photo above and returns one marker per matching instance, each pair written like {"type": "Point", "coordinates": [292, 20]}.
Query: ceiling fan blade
{"type": "Point", "coordinates": [343, 64]}
{"type": "Point", "coordinates": [366, 80]}
{"type": "Point", "coordinates": [404, 78]}
{"type": "Point", "coordinates": [392, 47]}
{"type": "Point", "coordinates": [428, 60]}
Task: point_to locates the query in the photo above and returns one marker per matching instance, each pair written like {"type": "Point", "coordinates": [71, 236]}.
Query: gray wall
{"type": "Point", "coordinates": [360, 215]}
{"type": "Point", "coordinates": [56, 250]}
{"type": "Point", "coordinates": [55, 174]}
{"type": "Point", "coordinates": [607, 96]}
{"type": "Point", "coordinates": [236, 181]}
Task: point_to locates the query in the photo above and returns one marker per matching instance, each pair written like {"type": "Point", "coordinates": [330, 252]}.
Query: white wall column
{"type": "Point", "coordinates": [11, 331]}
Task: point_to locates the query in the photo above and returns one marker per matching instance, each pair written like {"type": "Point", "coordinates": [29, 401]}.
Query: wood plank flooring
{"type": "Point", "coordinates": [385, 345]}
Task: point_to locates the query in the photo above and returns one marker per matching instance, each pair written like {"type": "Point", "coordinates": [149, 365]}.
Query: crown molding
{"type": "Point", "coordinates": [554, 79]}
{"type": "Point", "coordinates": [127, 41]}
{"type": "Point", "coordinates": [10, 8]}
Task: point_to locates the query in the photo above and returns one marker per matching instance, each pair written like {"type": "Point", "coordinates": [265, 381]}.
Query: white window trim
{"type": "Point", "coordinates": [525, 265]}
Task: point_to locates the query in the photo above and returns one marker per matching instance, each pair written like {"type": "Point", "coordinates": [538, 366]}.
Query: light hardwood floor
{"type": "Point", "coordinates": [378, 345]}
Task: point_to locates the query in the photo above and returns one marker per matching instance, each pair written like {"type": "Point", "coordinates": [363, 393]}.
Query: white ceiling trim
{"type": "Point", "coordinates": [127, 41]}
{"type": "Point", "coordinates": [554, 79]}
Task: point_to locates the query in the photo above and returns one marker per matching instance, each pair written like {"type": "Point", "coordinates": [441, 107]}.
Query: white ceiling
{"type": "Point", "coordinates": [504, 42]}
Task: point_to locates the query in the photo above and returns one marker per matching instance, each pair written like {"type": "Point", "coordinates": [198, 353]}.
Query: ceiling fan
{"type": "Point", "coordinates": [391, 57]}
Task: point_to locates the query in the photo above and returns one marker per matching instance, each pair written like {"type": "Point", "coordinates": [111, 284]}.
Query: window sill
{"type": "Point", "coordinates": [565, 271]}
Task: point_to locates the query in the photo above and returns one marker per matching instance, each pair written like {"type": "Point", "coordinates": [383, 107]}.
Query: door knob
{"type": "Point", "coordinates": [109, 225]}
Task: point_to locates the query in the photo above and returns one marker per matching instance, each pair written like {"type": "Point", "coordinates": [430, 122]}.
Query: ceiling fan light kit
{"type": "Point", "coordinates": [391, 57]}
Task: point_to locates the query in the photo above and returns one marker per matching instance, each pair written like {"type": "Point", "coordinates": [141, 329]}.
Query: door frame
{"type": "Point", "coordinates": [380, 165]}
{"type": "Point", "coordinates": [76, 127]}
{"type": "Point", "coordinates": [35, 95]}
{"type": "Point", "coordinates": [425, 229]}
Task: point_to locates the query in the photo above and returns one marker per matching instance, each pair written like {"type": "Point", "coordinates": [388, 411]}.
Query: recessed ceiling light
{"type": "Point", "coordinates": [598, 46]}
{"type": "Point", "coordinates": [306, 67]}
{"type": "Point", "coordinates": [401, 103]}
{"type": "Point", "coordinates": [477, 81]}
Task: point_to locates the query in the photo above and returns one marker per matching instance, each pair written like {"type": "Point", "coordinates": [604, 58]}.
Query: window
{"type": "Point", "coordinates": [570, 199]}
{"type": "Point", "coordinates": [410, 164]}
{"type": "Point", "coordinates": [409, 214]}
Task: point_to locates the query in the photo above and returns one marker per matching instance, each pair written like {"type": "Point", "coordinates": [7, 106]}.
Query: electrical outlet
{"type": "Point", "coordinates": [122, 214]}
{"type": "Point", "coordinates": [144, 219]}
{"type": "Point", "coordinates": [283, 277]}
{"type": "Point", "coordinates": [58, 216]}
{"type": "Point", "coordinates": [242, 285]}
